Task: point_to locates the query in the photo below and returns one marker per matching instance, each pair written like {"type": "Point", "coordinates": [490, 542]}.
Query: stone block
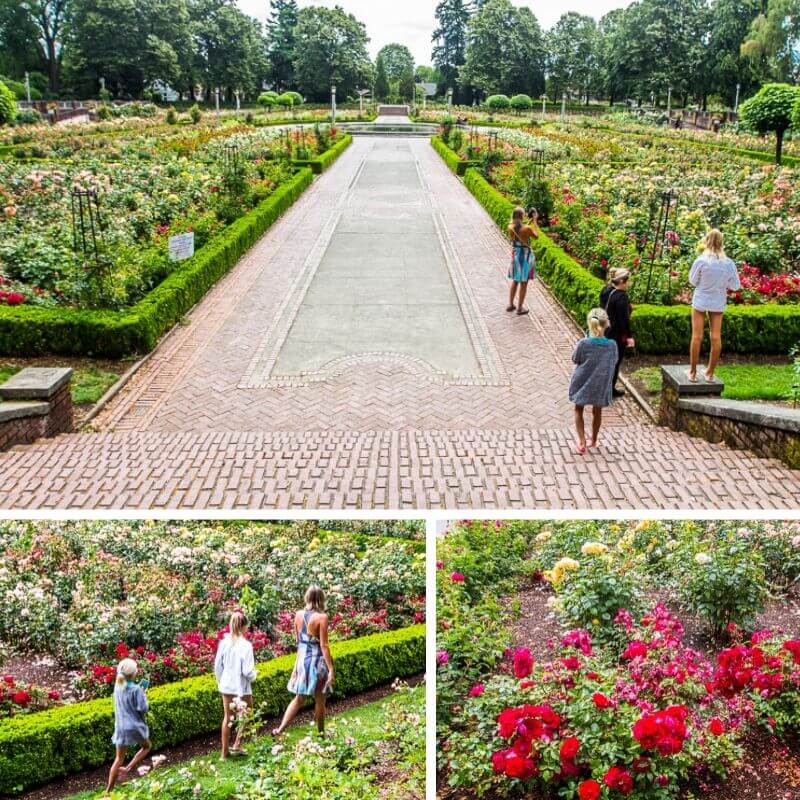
{"type": "Point", "coordinates": [35, 383]}
{"type": "Point", "coordinates": [677, 376]}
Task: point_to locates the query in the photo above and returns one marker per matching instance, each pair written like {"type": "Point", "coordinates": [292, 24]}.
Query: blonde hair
{"type": "Point", "coordinates": [617, 276]}
{"type": "Point", "coordinates": [597, 320]}
{"type": "Point", "coordinates": [714, 242]}
{"type": "Point", "coordinates": [517, 217]}
{"type": "Point", "coordinates": [126, 671]}
{"type": "Point", "coordinates": [238, 624]}
{"type": "Point", "coordinates": [315, 599]}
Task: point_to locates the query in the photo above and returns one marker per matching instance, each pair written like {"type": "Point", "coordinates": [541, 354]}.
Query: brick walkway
{"type": "Point", "coordinates": [379, 430]}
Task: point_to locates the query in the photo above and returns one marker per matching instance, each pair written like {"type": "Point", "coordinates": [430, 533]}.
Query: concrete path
{"type": "Point", "coordinates": [360, 356]}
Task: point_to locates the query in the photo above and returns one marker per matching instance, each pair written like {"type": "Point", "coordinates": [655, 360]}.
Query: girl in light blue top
{"type": "Point", "coordinates": [313, 669]}
{"type": "Point", "coordinates": [713, 275]}
{"type": "Point", "coordinates": [130, 722]}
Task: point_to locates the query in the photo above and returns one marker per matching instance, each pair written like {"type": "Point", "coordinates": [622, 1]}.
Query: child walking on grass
{"type": "Point", "coordinates": [130, 723]}
{"type": "Point", "coordinates": [593, 379]}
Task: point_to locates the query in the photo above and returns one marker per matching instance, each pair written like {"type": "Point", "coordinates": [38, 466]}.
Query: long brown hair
{"type": "Point", "coordinates": [238, 624]}
{"type": "Point", "coordinates": [516, 219]}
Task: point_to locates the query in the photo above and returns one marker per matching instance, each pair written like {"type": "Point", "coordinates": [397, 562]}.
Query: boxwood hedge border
{"type": "Point", "coordinates": [47, 745]}
{"type": "Point", "coordinates": [32, 331]}
{"type": "Point", "coordinates": [769, 329]}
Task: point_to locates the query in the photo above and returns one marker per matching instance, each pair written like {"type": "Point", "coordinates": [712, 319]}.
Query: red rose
{"type": "Point", "coordinates": [589, 790]}
{"type": "Point", "coordinates": [477, 690]}
{"type": "Point", "coordinates": [21, 698]}
{"type": "Point", "coordinates": [569, 748]}
{"type": "Point", "coordinates": [716, 727]}
{"type": "Point", "coordinates": [527, 684]}
{"type": "Point", "coordinates": [520, 767]}
{"type": "Point", "coordinates": [457, 577]}
{"type": "Point", "coordinates": [523, 662]}
{"type": "Point", "coordinates": [620, 779]}
{"type": "Point", "coordinates": [601, 701]}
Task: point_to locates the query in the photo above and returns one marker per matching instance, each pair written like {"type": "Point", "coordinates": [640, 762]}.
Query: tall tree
{"type": "Point", "coordinates": [47, 17]}
{"type": "Point", "coordinates": [572, 47]}
{"type": "Point", "coordinates": [399, 66]}
{"type": "Point", "coordinates": [229, 48]}
{"type": "Point", "coordinates": [18, 35]}
{"type": "Point", "coordinates": [730, 24]}
{"type": "Point", "coordinates": [450, 45]}
{"type": "Point", "coordinates": [280, 43]}
{"type": "Point", "coordinates": [330, 48]}
{"type": "Point", "coordinates": [128, 43]}
{"type": "Point", "coordinates": [773, 43]}
{"type": "Point", "coordinates": [613, 75]}
{"type": "Point", "coordinates": [382, 88]}
{"type": "Point", "coordinates": [504, 51]}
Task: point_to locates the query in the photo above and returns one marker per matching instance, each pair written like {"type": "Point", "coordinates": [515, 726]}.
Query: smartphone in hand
{"type": "Point", "coordinates": [144, 683]}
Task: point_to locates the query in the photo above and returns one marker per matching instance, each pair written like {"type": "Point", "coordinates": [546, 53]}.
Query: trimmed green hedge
{"type": "Point", "coordinates": [769, 329]}
{"type": "Point", "coordinates": [322, 162]}
{"type": "Point", "coordinates": [29, 330]}
{"type": "Point", "coordinates": [41, 747]}
{"type": "Point", "coordinates": [450, 157]}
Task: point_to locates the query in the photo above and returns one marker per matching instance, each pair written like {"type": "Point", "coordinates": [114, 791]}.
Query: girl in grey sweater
{"type": "Point", "coordinates": [593, 379]}
{"type": "Point", "coordinates": [130, 722]}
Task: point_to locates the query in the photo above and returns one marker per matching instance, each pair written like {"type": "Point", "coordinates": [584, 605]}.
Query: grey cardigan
{"type": "Point", "coordinates": [592, 381]}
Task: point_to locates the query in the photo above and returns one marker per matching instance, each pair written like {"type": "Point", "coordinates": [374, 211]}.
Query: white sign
{"type": "Point", "coordinates": [181, 247]}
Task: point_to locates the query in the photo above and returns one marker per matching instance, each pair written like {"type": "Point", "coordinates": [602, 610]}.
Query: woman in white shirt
{"type": "Point", "coordinates": [235, 670]}
{"type": "Point", "coordinates": [713, 275]}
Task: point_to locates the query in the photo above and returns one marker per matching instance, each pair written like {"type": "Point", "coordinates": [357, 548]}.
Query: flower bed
{"type": "Point", "coordinates": [769, 328]}
{"type": "Point", "coordinates": [87, 594]}
{"type": "Point", "coordinates": [226, 185]}
{"type": "Point", "coordinates": [76, 737]}
{"type": "Point", "coordinates": [621, 704]}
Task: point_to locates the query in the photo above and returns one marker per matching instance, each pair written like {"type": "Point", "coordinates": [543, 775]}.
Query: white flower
{"type": "Point", "coordinates": [703, 558]}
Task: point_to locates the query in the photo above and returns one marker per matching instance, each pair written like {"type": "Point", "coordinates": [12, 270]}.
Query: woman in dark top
{"type": "Point", "coordinates": [614, 299]}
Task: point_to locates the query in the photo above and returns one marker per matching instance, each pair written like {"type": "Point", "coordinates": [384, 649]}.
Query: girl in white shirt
{"type": "Point", "coordinates": [235, 670]}
{"type": "Point", "coordinates": [713, 275]}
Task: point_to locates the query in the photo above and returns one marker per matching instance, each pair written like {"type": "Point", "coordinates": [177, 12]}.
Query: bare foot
{"type": "Point", "coordinates": [709, 378]}
{"type": "Point", "coordinates": [692, 377]}
{"type": "Point", "coordinates": [593, 443]}
{"type": "Point", "coordinates": [580, 449]}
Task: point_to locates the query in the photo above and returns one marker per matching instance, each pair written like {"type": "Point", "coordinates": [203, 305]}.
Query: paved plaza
{"type": "Point", "coordinates": [360, 356]}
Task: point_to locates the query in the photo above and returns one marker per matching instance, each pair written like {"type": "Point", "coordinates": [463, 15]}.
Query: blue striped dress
{"type": "Point", "coordinates": [310, 669]}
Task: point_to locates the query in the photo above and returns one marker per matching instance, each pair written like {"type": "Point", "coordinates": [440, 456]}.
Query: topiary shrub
{"type": "Point", "coordinates": [268, 100]}
{"type": "Point", "coordinates": [195, 113]}
{"type": "Point", "coordinates": [172, 116]}
{"type": "Point", "coordinates": [770, 111]}
{"type": "Point", "coordinates": [8, 105]}
{"type": "Point", "coordinates": [521, 102]}
{"type": "Point", "coordinates": [498, 102]}
{"type": "Point", "coordinates": [297, 98]}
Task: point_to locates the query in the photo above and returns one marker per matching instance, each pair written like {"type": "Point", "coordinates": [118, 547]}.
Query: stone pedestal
{"type": "Point", "coordinates": [675, 385]}
{"type": "Point", "coordinates": [35, 403]}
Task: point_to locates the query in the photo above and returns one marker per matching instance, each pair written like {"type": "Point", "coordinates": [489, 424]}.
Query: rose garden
{"type": "Point", "coordinates": [79, 597]}
{"type": "Point", "coordinates": [604, 660]}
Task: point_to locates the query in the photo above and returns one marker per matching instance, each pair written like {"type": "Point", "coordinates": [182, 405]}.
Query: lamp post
{"type": "Point", "coordinates": [563, 106]}
{"type": "Point", "coordinates": [236, 95]}
{"type": "Point", "coordinates": [333, 104]}
{"type": "Point", "coordinates": [450, 97]}
{"type": "Point", "coordinates": [216, 99]}
{"type": "Point", "coordinates": [28, 86]}
{"type": "Point", "coordinates": [738, 90]}
{"type": "Point", "coordinates": [669, 103]}
{"type": "Point", "coordinates": [544, 105]}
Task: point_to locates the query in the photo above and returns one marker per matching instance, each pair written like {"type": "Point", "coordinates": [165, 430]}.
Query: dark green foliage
{"type": "Point", "coordinates": [38, 748]}
{"type": "Point", "coordinates": [8, 105]}
{"type": "Point", "coordinates": [450, 158]}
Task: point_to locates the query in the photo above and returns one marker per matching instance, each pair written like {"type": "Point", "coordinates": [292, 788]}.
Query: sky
{"type": "Point", "coordinates": [411, 22]}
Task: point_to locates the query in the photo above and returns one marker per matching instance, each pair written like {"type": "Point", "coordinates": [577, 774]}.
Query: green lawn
{"type": "Point", "coordinates": [742, 381]}
{"type": "Point", "coordinates": [88, 385]}
{"type": "Point", "coordinates": [221, 779]}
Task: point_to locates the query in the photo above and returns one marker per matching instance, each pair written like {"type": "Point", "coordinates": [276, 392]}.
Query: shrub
{"type": "Point", "coordinates": [195, 113]}
{"type": "Point", "coordinates": [172, 116]}
{"type": "Point", "coordinates": [268, 99]}
{"type": "Point", "coordinates": [8, 105]}
{"type": "Point", "coordinates": [538, 195]}
{"type": "Point", "coordinates": [28, 116]}
{"type": "Point", "coordinates": [726, 585]}
{"type": "Point", "coordinates": [297, 98]}
{"type": "Point", "coordinates": [521, 102]}
{"type": "Point", "coordinates": [77, 737]}
{"type": "Point", "coordinates": [498, 102]}
{"type": "Point", "coordinates": [286, 100]}
{"type": "Point", "coordinates": [591, 596]}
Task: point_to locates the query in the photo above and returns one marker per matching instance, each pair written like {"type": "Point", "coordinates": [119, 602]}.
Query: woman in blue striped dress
{"type": "Point", "coordinates": [313, 670]}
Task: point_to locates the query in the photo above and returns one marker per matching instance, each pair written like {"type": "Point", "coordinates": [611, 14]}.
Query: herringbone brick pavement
{"type": "Point", "coordinates": [386, 434]}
